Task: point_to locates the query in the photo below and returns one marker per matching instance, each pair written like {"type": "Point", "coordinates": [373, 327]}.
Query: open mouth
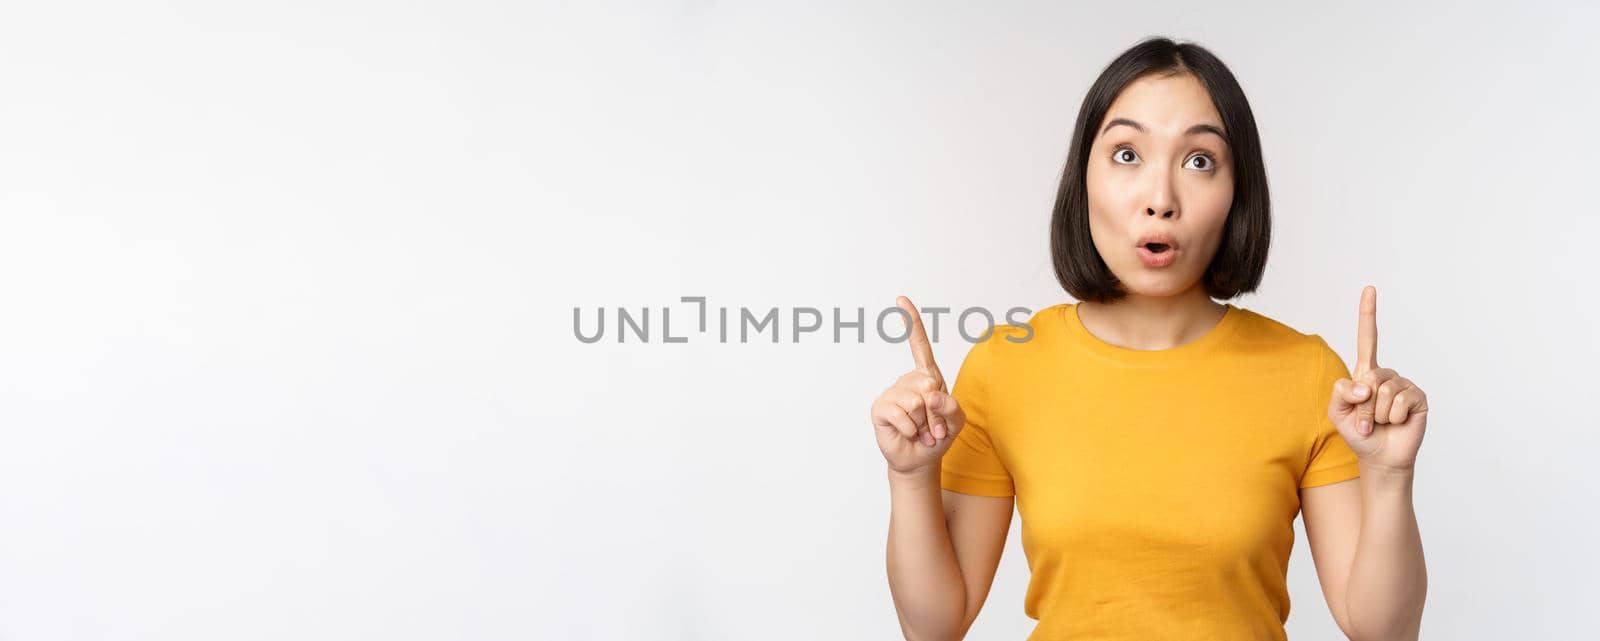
{"type": "Point", "coordinates": [1156, 248]}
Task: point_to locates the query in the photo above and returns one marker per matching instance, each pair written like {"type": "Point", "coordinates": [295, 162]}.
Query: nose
{"type": "Point", "coordinates": [1163, 199]}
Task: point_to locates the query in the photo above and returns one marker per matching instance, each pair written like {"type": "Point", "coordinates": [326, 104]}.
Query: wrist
{"type": "Point", "coordinates": [915, 476]}
{"type": "Point", "coordinates": [1385, 477]}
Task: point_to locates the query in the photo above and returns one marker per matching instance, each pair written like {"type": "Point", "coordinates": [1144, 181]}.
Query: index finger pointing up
{"type": "Point", "coordinates": [1367, 330]}
{"type": "Point", "coordinates": [921, 347]}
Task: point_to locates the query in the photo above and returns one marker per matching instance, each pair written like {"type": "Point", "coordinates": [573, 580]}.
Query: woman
{"type": "Point", "coordinates": [1156, 443]}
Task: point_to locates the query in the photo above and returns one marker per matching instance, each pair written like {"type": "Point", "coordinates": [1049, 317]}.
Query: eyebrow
{"type": "Point", "coordinates": [1202, 128]}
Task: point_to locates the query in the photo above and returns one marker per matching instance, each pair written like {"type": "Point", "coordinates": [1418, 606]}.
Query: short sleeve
{"type": "Point", "coordinates": [972, 465]}
{"type": "Point", "coordinates": [1330, 459]}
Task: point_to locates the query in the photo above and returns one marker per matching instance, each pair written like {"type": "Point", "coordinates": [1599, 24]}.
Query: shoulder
{"type": "Point", "coordinates": [1008, 343]}
{"type": "Point", "coordinates": [1021, 340]}
{"type": "Point", "coordinates": [1261, 331]}
{"type": "Point", "coordinates": [1267, 337]}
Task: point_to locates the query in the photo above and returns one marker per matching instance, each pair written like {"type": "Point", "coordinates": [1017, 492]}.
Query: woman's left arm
{"type": "Point", "coordinates": [1371, 520]}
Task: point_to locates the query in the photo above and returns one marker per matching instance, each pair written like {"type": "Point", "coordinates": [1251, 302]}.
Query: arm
{"type": "Point", "coordinates": [1388, 579]}
{"type": "Point", "coordinates": [944, 548]}
{"type": "Point", "coordinates": [1363, 532]}
{"type": "Point", "coordinates": [1368, 553]}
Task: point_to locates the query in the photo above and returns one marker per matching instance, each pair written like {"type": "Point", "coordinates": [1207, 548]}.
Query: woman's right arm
{"type": "Point", "coordinates": [944, 547]}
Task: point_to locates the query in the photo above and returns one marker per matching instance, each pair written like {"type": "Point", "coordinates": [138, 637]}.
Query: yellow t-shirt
{"type": "Point", "coordinates": [1157, 489]}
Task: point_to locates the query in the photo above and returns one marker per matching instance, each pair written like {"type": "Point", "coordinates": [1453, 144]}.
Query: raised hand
{"type": "Point", "coordinates": [1386, 428]}
{"type": "Point", "coordinates": [916, 419]}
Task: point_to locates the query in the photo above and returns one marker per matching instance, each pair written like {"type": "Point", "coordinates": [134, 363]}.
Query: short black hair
{"type": "Point", "coordinates": [1242, 255]}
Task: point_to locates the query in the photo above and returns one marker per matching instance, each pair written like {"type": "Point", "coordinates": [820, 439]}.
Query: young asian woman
{"type": "Point", "coordinates": [1156, 443]}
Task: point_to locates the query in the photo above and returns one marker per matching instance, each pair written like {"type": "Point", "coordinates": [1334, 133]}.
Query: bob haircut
{"type": "Point", "coordinates": [1242, 255]}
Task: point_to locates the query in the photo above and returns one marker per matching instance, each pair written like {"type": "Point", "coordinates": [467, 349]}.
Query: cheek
{"type": "Point", "coordinates": [1207, 205]}
{"type": "Point", "coordinates": [1104, 198]}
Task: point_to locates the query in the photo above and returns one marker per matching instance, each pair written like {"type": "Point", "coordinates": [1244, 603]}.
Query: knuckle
{"type": "Point", "coordinates": [951, 404]}
{"type": "Point", "coordinates": [958, 416]}
{"type": "Point", "coordinates": [917, 381]}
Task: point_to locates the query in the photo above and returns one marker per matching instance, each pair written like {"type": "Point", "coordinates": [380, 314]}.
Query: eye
{"type": "Point", "coordinates": [1205, 162]}
{"type": "Point", "coordinates": [1124, 156]}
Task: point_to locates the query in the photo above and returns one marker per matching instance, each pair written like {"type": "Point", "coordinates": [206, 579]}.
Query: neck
{"type": "Point", "coordinates": [1153, 322]}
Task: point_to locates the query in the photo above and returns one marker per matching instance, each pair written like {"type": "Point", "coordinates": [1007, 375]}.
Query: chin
{"type": "Point", "coordinates": [1155, 285]}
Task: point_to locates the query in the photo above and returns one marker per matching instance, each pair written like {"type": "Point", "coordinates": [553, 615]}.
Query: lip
{"type": "Point", "coordinates": [1153, 259]}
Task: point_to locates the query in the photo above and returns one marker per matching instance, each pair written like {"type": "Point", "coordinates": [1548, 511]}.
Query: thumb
{"type": "Point", "coordinates": [947, 407]}
{"type": "Point", "coordinates": [1347, 396]}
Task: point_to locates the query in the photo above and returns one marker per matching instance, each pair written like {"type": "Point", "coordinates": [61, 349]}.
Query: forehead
{"type": "Point", "coordinates": [1168, 105]}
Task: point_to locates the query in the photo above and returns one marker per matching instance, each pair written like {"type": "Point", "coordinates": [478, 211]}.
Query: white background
{"type": "Point", "coordinates": [286, 344]}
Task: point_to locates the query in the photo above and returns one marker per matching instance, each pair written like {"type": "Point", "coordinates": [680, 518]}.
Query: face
{"type": "Point", "coordinates": [1159, 172]}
